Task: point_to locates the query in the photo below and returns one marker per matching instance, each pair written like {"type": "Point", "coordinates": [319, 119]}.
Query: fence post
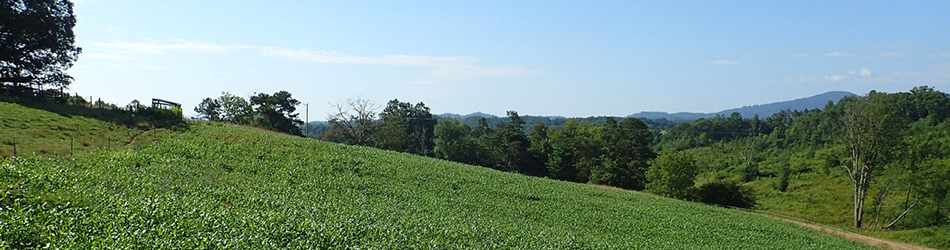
{"type": "Point", "coordinates": [70, 147]}
{"type": "Point", "coordinates": [14, 146]}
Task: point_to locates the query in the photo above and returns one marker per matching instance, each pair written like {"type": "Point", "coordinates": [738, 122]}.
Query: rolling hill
{"type": "Point", "coordinates": [763, 110]}
{"type": "Point", "coordinates": [212, 185]}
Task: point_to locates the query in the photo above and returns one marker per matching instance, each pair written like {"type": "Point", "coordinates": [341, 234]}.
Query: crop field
{"type": "Point", "coordinates": [219, 186]}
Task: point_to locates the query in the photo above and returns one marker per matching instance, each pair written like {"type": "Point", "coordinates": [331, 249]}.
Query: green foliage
{"type": "Point", "coordinates": [453, 142]}
{"type": "Point", "coordinates": [218, 186]}
{"type": "Point", "coordinates": [276, 112]}
{"type": "Point", "coordinates": [406, 128]}
{"type": "Point", "coordinates": [725, 194]}
{"type": "Point", "coordinates": [37, 40]}
{"type": "Point", "coordinates": [576, 150]}
{"type": "Point", "coordinates": [783, 178]}
{"type": "Point", "coordinates": [209, 109]}
{"type": "Point", "coordinates": [235, 109]}
{"type": "Point", "coordinates": [159, 117]}
{"type": "Point", "coordinates": [671, 175]}
{"type": "Point", "coordinates": [273, 112]}
{"type": "Point", "coordinates": [626, 153]}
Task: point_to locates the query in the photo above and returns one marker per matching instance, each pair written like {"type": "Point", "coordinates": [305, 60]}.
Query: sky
{"type": "Point", "coordinates": [566, 58]}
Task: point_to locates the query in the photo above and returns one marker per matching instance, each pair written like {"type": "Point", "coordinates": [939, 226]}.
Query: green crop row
{"type": "Point", "coordinates": [218, 186]}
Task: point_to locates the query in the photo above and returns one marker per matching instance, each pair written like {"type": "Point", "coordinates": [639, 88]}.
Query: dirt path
{"type": "Point", "coordinates": [885, 244]}
{"type": "Point", "coordinates": [136, 137]}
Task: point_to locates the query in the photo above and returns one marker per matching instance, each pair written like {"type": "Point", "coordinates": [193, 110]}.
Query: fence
{"type": "Point", "coordinates": [69, 146]}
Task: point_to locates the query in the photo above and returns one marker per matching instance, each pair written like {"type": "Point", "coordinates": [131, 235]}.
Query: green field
{"type": "Point", "coordinates": [220, 186]}
{"type": "Point", "coordinates": [25, 131]}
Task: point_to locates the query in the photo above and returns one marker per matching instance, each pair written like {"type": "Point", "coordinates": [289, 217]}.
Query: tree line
{"type": "Point", "coordinates": [613, 153]}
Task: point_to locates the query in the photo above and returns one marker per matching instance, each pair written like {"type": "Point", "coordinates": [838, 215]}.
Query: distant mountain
{"type": "Point", "coordinates": [764, 110]}
{"type": "Point", "coordinates": [462, 117]}
{"type": "Point", "coordinates": [680, 116]}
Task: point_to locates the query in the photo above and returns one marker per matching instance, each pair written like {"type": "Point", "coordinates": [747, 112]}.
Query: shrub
{"type": "Point", "coordinates": [725, 194]}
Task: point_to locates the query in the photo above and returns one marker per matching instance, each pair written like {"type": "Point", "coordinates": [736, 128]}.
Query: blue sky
{"type": "Point", "coordinates": [571, 58]}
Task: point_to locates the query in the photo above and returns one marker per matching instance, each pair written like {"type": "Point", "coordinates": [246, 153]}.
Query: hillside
{"type": "Point", "coordinates": [763, 110]}
{"type": "Point", "coordinates": [222, 186]}
{"type": "Point", "coordinates": [29, 130]}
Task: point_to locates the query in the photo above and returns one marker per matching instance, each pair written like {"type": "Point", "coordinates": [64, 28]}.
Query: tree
{"type": "Point", "coordinates": [406, 128]}
{"type": "Point", "coordinates": [540, 147]}
{"type": "Point", "coordinates": [453, 141]}
{"type": "Point", "coordinates": [37, 41]}
{"type": "Point", "coordinates": [235, 109]}
{"type": "Point", "coordinates": [922, 102]}
{"type": "Point", "coordinates": [870, 131]}
{"type": "Point", "coordinates": [209, 109]}
{"type": "Point", "coordinates": [353, 121]}
{"type": "Point", "coordinates": [514, 146]}
{"type": "Point", "coordinates": [276, 112]}
{"type": "Point", "coordinates": [672, 174]}
{"type": "Point", "coordinates": [626, 152]}
{"type": "Point", "coordinates": [576, 149]}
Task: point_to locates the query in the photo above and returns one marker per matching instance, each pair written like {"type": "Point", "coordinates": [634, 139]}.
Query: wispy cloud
{"type": "Point", "coordinates": [159, 48]}
{"type": "Point", "coordinates": [838, 54]}
{"type": "Point", "coordinates": [342, 58]}
{"type": "Point", "coordinates": [863, 72]}
{"type": "Point", "coordinates": [802, 55]}
{"type": "Point", "coordinates": [944, 55]}
{"type": "Point", "coordinates": [439, 67]}
{"type": "Point", "coordinates": [723, 62]}
{"type": "Point", "coordinates": [835, 78]}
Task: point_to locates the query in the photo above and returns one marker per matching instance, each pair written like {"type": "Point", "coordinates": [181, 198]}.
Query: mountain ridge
{"type": "Point", "coordinates": [762, 110]}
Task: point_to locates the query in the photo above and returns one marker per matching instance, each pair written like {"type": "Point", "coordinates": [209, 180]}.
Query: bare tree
{"type": "Point", "coordinates": [354, 120]}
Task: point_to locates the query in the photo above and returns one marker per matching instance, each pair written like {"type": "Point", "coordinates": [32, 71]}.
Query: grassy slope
{"type": "Point", "coordinates": [45, 132]}
{"type": "Point", "coordinates": [223, 186]}
{"type": "Point", "coordinates": [818, 193]}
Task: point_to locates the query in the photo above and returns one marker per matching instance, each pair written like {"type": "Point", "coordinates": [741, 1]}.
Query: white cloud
{"type": "Point", "coordinates": [835, 78]}
{"type": "Point", "coordinates": [800, 55]}
{"type": "Point", "coordinates": [838, 54]}
{"type": "Point", "coordinates": [439, 67]}
{"type": "Point", "coordinates": [944, 55]}
{"type": "Point", "coordinates": [863, 72]}
{"type": "Point", "coordinates": [158, 48]}
{"type": "Point", "coordinates": [724, 62]}
{"type": "Point", "coordinates": [106, 56]}
{"type": "Point", "coordinates": [341, 58]}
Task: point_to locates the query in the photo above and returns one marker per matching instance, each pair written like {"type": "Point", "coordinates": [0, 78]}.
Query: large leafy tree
{"type": "Point", "coordinates": [276, 112]}
{"type": "Point", "coordinates": [576, 148]}
{"type": "Point", "coordinates": [869, 129]}
{"type": "Point", "coordinates": [406, 127]}
{"type": "Point", "coordinates": [453, 141]}
{"type": "Point", "coordinates": [37, 41]}
{"type": "Point", "coordinates": [235, 109]}
{"type": "Point", "coordinates": [672, 175]}
{"type": "Point", "coordinates": [209, 109]}
{"type": "Point", "coordinates": [626, 152]}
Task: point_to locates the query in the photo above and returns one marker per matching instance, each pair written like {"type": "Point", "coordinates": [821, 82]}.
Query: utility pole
{"type": "Point", "coordinates": [306, 126]}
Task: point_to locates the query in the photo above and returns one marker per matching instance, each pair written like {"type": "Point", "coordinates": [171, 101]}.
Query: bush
{"type": "Point", "coordinates": [725, 194]}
